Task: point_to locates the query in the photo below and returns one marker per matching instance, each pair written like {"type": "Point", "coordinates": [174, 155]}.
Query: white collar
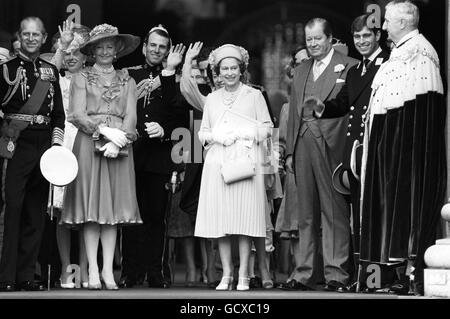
{"type": "Point", "coordinates": [375, 54]}
{"type": "Point", "coordinates": [407, 37]}
{"type": "Point", "coordinates": [327, 59]}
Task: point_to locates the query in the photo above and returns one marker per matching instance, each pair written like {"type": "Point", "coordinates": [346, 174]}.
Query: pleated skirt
{"type": "Point", "coordinates": [104, 190]}
{"type": "Point", "coordinates": [229, 209]}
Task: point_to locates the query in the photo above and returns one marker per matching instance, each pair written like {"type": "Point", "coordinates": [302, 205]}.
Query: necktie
{"type": "Point", "coordinates": [317, 69]}
{"type": "Point", "coordinates": [365, 66]}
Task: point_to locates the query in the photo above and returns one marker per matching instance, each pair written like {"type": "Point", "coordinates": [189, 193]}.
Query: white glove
{"type": "Point", "coordinates": [110, 150]}
{"type": "Point", "coordinates": [247, 133]}
{"type": "Point", "coordinates": [224, 139]}
{"type": "Point", "coordinates": [114, 135]}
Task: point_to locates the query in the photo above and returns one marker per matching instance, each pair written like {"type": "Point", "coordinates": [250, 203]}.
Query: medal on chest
{"type": "Point", "coordinates": [148, 89]}
{"type": "Point", "coordinates": [46, 74]}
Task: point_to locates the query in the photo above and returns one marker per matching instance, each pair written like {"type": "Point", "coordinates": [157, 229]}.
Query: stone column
{"type": "Point", "coordinates": [437, 258]}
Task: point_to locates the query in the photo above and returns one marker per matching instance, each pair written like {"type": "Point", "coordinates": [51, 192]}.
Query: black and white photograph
{"type": "Point", "coordinates": [224, 158]}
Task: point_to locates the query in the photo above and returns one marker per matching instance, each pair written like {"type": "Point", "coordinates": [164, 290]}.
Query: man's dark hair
{"type": "Point", "coordinates": [360, 22]}
{"type": "Point", "coordinates": [158, 32]}
{"type": "Point", "coordinates": [325, 24]}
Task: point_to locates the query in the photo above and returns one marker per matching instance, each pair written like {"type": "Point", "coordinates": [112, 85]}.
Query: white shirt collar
{"type": "Point", "coordinates": [407, 37]}
{"type": "Point", "coordinates": [375, 54]}
{"type": "Point", "coordinates": [327, 59]}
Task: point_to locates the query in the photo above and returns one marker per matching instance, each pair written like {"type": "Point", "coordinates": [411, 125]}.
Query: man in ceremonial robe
{"type": "Point", "coordinates": [404, 163]}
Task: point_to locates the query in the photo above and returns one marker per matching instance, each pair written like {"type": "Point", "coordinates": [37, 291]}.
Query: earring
{"type": "Point", "coordinates": [115, 57]}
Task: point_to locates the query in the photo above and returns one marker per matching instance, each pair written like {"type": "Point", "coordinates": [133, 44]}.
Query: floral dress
{"type": "Point", "coordinates": [104, 191]}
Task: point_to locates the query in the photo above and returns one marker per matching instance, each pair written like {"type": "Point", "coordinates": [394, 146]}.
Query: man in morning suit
{"type": "Point", "coordinates": [353, 100]}
{"type": "Point", "coordinates": [33, 121]}
{"type": "Point", "coordinates": [314, 150]}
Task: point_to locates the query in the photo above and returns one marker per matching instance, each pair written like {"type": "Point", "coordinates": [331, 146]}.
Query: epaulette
{"type": "Point", "coordinates": [123, 75]}
{"type": "Point", "coordinates": [48, 62]}
{"type": "Point", "coordinates": [8, 60]}
{"type": "Point", "coordinates": [137, 67]}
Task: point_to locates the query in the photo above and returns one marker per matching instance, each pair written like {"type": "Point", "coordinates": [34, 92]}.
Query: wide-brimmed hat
{"type": "Point", "coordinates": [228, 51]}
{"type": "Point", "coordinates": [100, 32]}
{"type": "Point", "coordinates": [59, 165]}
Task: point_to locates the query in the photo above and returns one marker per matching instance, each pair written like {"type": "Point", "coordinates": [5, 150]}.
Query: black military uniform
{"type": "Point", "coordinates": [25, 189]}
{"type": "Point", "coordinates": [354, 99]}
{"type": "Point", "coordinates": [144, 246]}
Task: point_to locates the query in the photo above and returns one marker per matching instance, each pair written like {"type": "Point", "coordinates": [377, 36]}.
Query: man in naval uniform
{"type": "Point", "coordinates": [33, 121]}
{"type": "Point", "coordinates": [159, 112]}
{"type": "Point", "coordinates": [353, 100]}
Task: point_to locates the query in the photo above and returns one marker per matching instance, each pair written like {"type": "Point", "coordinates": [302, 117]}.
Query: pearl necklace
{"type": "Point", "coordinates": [104, 70]}
{"type": "Point", "coordinates": [229, 97]}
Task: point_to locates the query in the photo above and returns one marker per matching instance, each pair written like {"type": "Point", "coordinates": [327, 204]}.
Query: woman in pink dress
{"type": "Point", "coordinates": [102, 105]}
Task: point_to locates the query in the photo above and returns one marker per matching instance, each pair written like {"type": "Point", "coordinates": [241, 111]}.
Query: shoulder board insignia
{"type": "Point", "coordinates": [123, 75]}
{"type": "Point", "coordinates": [46, 63]}
{"type": "Point", "coordinates": [8, 60]}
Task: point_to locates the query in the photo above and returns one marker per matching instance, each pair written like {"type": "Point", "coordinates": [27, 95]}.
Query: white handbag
{"type": "Point", "coordinates": [238, 169]}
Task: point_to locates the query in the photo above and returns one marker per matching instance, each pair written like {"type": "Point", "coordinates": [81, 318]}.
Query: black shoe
{"type": "Point", "coordinates": [6, 286]}
{"type": "Point", "coordinates": [140, 279]}
{"type": "Point", "coordinates": [213, 285]}
{"type": "Point", "coordinates": [294, 285]}
{"type": "Point", "coordinates": [255, 283]}
{"type": "Point", "coordinates": [158, 283]}
{"type": "Point", "coordinates": [30, 286]}
{"type": "Point", "coordinates": [352, 287]}
{"type": "Point", "coordinates": [335, 286]}
{"type": "Point", "coordinates": [400, 288]}
{"type": "Point", "coordinates": [418, 288]}
{"type": "Point", "coordinates": [126, 282]}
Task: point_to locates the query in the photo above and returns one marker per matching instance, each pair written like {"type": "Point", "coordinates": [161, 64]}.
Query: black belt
{"type": "Point", "coordinates": [38, 119]}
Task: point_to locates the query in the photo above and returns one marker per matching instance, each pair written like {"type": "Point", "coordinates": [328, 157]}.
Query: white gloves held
{"type": "Point", "coordinates": [225, 139]}
{"type": "Point", "coordinates": [110, 150]}
{"type": "Point", "coordinates": [114, 135]}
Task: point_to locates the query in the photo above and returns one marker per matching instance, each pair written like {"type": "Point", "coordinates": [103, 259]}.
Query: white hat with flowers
{"type": "Point", "coordinates": [128, 42]}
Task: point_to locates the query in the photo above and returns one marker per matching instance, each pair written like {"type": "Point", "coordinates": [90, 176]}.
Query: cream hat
{"type": "Point", "coordinates": [228, 51]}
{"type": "Point", "coordinates": [105, 31]}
